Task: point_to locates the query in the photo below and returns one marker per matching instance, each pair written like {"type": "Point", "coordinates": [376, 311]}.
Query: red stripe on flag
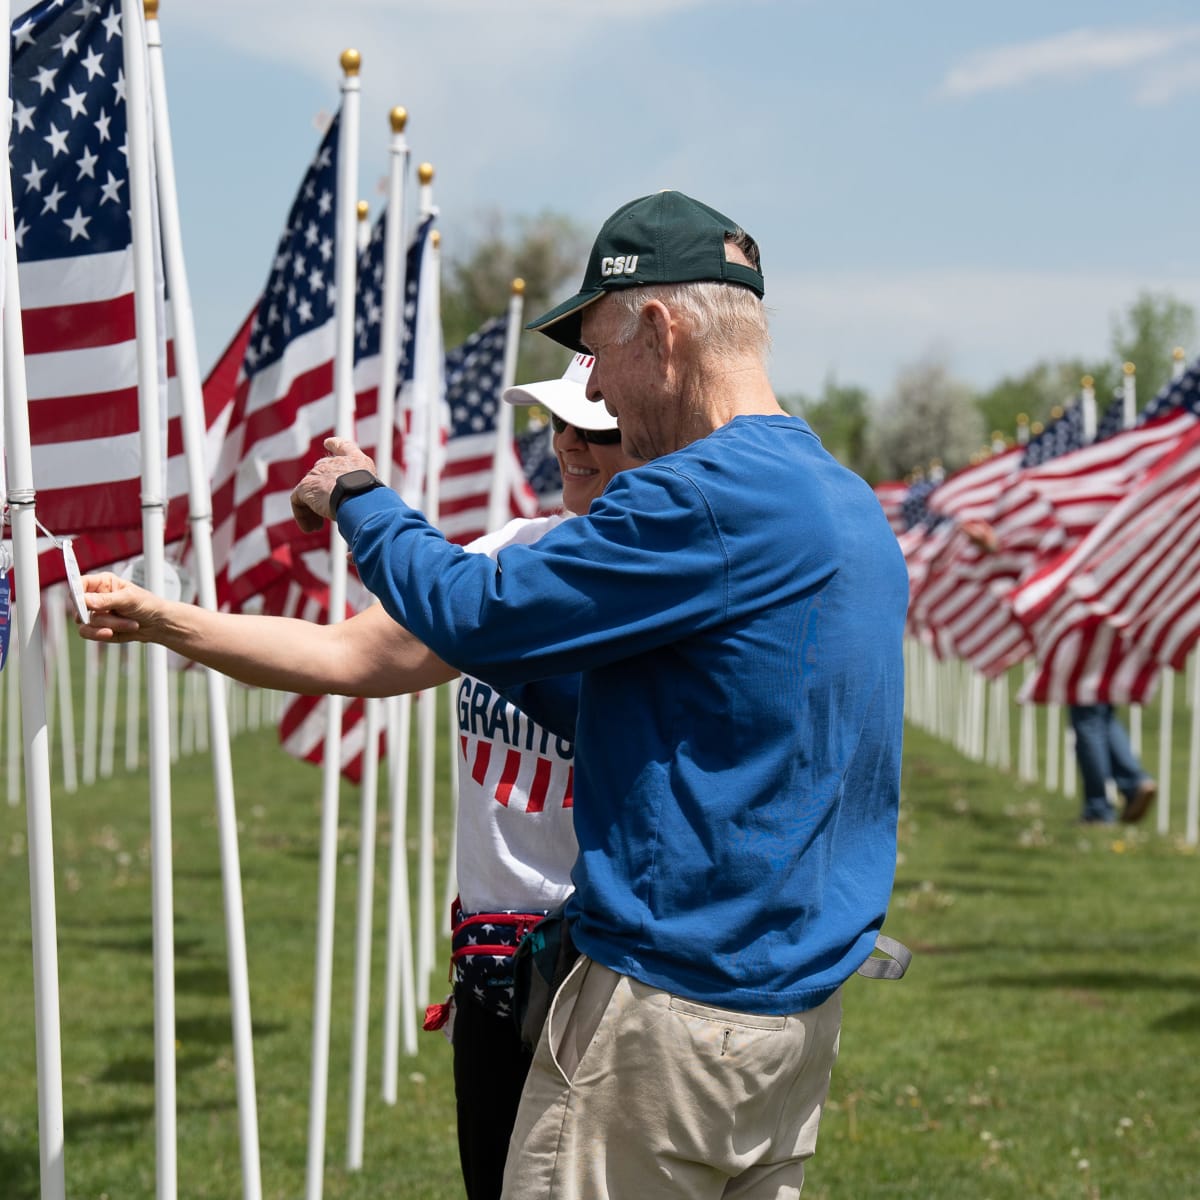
{"type": "Point", "coordinates": [81, 418]}
{"type": "Point", "coordinates": [569, 797]}
{"type": "Point", "coordinates": [78, 326]}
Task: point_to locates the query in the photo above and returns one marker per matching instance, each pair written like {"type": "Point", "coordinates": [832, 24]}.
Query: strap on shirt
{"type": "Point", "coordinates": [893, 965]}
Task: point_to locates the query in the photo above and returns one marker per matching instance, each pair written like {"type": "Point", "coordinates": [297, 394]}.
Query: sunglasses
{"type": "Point", "coordinates": [594, 437]}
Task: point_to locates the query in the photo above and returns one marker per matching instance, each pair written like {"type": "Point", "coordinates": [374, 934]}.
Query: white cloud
{"type": "Point", "coordinates": [1070, 55]}
{"type": "Point", "coordinates": [986, 324]}
{"type": "Point", "coordinates": [1168, 82]}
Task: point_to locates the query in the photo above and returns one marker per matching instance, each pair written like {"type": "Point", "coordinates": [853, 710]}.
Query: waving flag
{"type": "Point", "coordinates": [540, 467]}
{"type": "Point", "coordinates": [73, 237]}
{"type": "Point", "coordinates": [474, 381]}
{"type": "Point", "coordinates": [1126, 600]}
{"type": "Point", "coordinates": [283, 404]}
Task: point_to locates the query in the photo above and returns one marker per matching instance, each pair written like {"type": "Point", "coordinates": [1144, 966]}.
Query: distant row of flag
{"type": "Point", "coordinates": [269, 401]}
{"type": "Point", "coordinates": [1079, 556]}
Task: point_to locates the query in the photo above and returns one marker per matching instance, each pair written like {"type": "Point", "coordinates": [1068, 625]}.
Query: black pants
{"type": "Point", "coordinates": [490, 1066]}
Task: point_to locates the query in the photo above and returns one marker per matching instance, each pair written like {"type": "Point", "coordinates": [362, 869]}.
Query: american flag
{"type": "Point", "coordinates": [1182, 393]}
{"type": "Point", "coordinates": [368, 336]}
{"type": "Point", "coordinates": [474, 381]}
{"type": "Point", "coordinates": [283, 401]}
{"type": "Point", "coordinates": [303, 722]}
{"type": "Point", "coordinates": [539, 464]}
{"type": "Point", "coordinates": [891, 497]}
{"type": "Point", "coordinates": [1061, 436]}
{"type": "Point", "coordinates": [1126, 600]}
{"type": "Point", "coordinates": [70, 178]}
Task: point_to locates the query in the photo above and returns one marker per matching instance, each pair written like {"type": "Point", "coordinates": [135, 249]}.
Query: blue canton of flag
{"type": "Point", "coordinates": [1113, 419]}
{"type": "Point", "coordinates": [69, 152]}
{"type": "Point", "coordinates": [913, 509]}
{"type": "Point", "coordinates": [474, 372]}
{"type": "Point", "coordinates": [368, 307]}
{"type": "Point", "coordinates": [1183, 392]}
{"type": "Point", "coordinates": [300, 292]}
{"type": "Point", "coordinates": [1061, 436]}
{"type": "Point", "coordinates": [540, 466]}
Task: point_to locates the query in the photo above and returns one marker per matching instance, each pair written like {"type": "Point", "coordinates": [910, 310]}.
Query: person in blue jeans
{"type": "Point", "coordinates": [1103, 752]}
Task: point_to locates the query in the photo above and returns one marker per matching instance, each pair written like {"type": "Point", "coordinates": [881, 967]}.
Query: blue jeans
{"type": "Point", "coordinates": [1103, 752]}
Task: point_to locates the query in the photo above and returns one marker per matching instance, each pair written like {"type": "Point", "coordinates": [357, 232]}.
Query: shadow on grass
{"type": "Point", "coordinates": [1098, 981]}
{"type": "Point", "coordinates": [20, 1170]}
{"type": "Point", "coordinates": [1186, 1020]}
{"type": "Point", "coordinates": [102, 1121]}
{"type": "Point", "coordinates": [214, 1030]}
{"type": "Point", "coordinates": [141, 1070]}
{"type": "Point", "coordinates": [143, 947]}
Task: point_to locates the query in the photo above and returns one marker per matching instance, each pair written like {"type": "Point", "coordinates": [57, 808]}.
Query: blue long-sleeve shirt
{"type": "Point", "coordinates": [735, 612]}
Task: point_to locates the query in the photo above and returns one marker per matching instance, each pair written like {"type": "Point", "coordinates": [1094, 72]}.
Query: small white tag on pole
{"type": "Point", "coordinates": [75, 582]}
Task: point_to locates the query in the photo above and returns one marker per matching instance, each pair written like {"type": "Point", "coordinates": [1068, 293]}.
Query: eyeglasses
{"type": "Point", "coordinates": [594, 437]}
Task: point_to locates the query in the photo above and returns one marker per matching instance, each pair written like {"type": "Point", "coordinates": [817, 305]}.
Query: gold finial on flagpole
{"type": "Point", "coordinates": [150, 8]}
{"type": "Point", "coordinates": [1178, 354]}
{"type": "Point", "coordinates": [1036, 428]}
{"type": "Point", "coordinates": [1057, 411]}
{"type": "Point", "coordinates": [518, 287]}
{"type": "Point", "coordinates": [425, 173]}
{"type": "Point", "coordinates": [364, 210]}
{"type": "Point", "coordinates": [1087, 382]}
{"type": "Point", "coordinates": [398, 118]}
{"type": "Point", "coordinates": [436, 238]}
{"type": "Point", "coordinates": [1129, 369]}
{"type": "Point", "coordinates": [351, 62]}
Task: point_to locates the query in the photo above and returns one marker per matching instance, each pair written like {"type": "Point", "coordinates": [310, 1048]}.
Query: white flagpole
{"type": "Point", "coordinates": [200, 522]}
{"type": "Point", "coordinates": [427, 343]}
{"type": "Point", "coordinates": [1087, 397]}
{"type": "Point", "coordinates": [398, 981]}
{"type": "Point", "coordinates": [91, 690]}
{"type": "Point", "coordinates": [31, 660]}
{"type": "Point", "coordinates": [343, 386]}
{"type": "Point", "coordinates": [133, 702]}
{"type": "Point", "coordinates": [368, 819]}
{"type": "Point", "coordinates": [143, 215]}
{"type": "Point", "coordinates": [13, 716]}
{"type": "Point", "coordinates": [1128, 419]}
{"type": "Point", "coordinates": [368, 816]}
{"type": "Point", "coordinates": [499, 502]}
{"type": "Point", "coordinates": [66, 702]}
{"type": "Point", "coordinates": [108, 724]}
{"type": "Point", "coordinates": [1166, 702]}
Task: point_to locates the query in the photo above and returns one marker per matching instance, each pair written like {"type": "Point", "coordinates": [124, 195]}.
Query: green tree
{"type": "Point", "coordinates": [1036, 392]}
{"type": "Point", "coordinates": [840, 417]}
{"type": "Point", "coordinates": [547, 251]}
{"type": "Point", "coordinates": [1154, 325]}
{"type": "Point", "coordinates": [929, 416]}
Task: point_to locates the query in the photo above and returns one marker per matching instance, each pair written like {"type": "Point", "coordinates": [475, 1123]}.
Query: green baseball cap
{"type": "Point", "coordinates": [664, 238]}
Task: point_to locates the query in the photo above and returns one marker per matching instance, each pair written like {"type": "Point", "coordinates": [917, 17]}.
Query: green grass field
{"type": "Point", "coordinates": [1044, 1043]}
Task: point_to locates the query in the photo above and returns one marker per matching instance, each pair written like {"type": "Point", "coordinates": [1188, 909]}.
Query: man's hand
{"type": "Point", "coordinates": [121, 611]}
{"type": "Point", "coordinates": [310, 497]}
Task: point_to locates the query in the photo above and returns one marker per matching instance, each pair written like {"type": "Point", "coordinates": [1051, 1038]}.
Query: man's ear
{"type": "Point", "coordinates": [660, 331]}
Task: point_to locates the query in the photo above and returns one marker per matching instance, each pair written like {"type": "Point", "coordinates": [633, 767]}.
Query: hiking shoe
{"type": "Point", "coordinates": [1138, 803]}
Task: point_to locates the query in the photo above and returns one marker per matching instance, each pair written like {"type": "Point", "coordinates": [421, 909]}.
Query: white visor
{"type": "Point", "coordinates": [566, 397]}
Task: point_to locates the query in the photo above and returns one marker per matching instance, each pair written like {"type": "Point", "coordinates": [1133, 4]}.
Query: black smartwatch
{"type": "Point", "coordinates": [353, 483]}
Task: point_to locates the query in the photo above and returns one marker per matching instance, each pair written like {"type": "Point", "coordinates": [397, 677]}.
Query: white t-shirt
{"type": "Point", "coordinates": [516, 830]}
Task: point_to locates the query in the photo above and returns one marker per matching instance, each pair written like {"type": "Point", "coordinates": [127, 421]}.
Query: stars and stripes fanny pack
{"type": "Point", "coordinates": [481, 948]}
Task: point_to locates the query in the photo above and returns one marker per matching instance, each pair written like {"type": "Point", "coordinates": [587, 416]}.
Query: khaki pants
{"type": "Point", "coordinates": [636, 1094]}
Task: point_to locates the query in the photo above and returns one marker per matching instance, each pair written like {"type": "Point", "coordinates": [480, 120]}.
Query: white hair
{"type": "Point", "coordinates": [726, 319]}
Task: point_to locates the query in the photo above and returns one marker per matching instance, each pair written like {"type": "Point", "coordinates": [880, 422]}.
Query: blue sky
{"type": "Point", "coordinates": [991, 183]}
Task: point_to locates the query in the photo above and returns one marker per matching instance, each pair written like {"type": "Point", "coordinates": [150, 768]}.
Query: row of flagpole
{"type": "Point", "coordinates": [948, 697]}
{"type": "Point", "coordinates": [153, 207]}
